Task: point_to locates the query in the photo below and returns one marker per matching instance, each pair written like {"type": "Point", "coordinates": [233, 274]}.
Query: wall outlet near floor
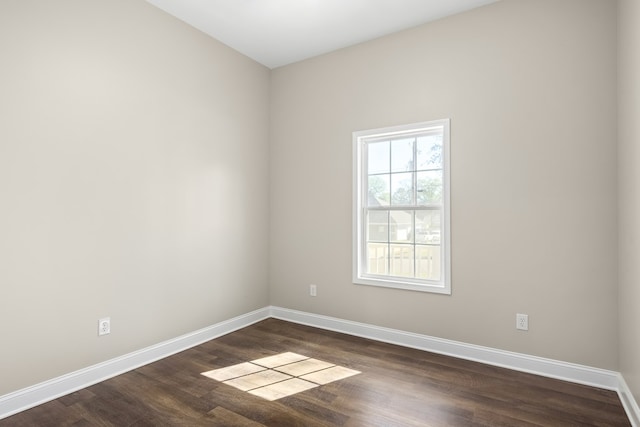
{"type": "Point", "coordinates": [104, 326]}
{"type": "Point", "coordinates": [522, 322]}
{"type": "Point", "coordinates": [312, 290]}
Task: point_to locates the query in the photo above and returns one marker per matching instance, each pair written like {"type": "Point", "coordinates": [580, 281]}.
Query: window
{"type": "Point", "coordinates": [401, 207]}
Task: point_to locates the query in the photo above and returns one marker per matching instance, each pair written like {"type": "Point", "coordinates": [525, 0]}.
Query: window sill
{"type": "Point", "coordinates": [394, 284]}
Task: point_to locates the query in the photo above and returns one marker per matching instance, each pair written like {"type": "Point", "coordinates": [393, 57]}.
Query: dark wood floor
{"type": "Point", "coordinates": [397, 387]}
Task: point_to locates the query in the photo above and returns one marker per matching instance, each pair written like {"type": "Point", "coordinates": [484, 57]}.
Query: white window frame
{"type": "Point", "coordinates": [360, 174]}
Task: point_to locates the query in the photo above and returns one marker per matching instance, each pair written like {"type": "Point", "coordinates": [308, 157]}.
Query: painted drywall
{"type": "Point", "coordinates": [629, 190]}
{"type": "Point", "coordinates": [133, 183]}
{"type": "Point", "coordinates": [530, 88]}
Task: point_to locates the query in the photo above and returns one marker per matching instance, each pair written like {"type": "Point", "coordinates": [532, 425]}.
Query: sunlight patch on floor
{"type": "Point", "coordinates": [278, 376]}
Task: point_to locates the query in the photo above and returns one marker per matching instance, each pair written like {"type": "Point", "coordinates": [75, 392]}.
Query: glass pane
{"type": "Point", "coordinates": [429, 152]}
{"type": "Point", "coordinates": [402, 155]}
{"type": "Point", "coordinates": [377, 258]}
{"type": "Point", "coordinates": [401, 260]}
{"type": "Point", "coordinates": [402, 189]}
{"type": "Point", "coordinates": [429, 189]}
{"type": "Point", "coordinates": [401, 225]}
{"type": "Point", "coordinates": [428, 262]}
{"type": "Point", "coordinates": [379, 188]}
{"type": "Point", "coordinates": [378, 226]}
{"type": "Point", "coordinates": [428, 227]}
{"type": "Point", "coordinates": [378, 157]}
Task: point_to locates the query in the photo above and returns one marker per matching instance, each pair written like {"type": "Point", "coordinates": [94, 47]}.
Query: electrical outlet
{"type": "Point", "coordinates": [522, 322]}
{"type": "Point", "coordinates": [104, 326]}
{"type": "Point", "coordinates": [312, 290]}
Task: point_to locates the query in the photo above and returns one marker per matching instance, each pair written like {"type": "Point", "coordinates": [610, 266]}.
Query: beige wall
{"type": "Point", "coordinates": [133, 169]}
{"type": "Point", "coordinates": [629, 191]}
{"type": "Point", "coordinates": [530, 87]}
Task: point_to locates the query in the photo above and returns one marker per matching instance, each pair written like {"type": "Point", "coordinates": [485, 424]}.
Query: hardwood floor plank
{"type": "Point", "coordinates": [52, 414]}
{"type": "Point", "coordinates": [223, 417]}
{"type": "Point", "coordinates": [396, 386]}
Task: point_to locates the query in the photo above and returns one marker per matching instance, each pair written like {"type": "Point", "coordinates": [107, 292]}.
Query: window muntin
{"type": "Point", "coordinates": [401, 219]}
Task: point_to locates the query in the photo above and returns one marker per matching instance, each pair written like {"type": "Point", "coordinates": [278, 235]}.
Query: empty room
{"type": "Point", "coordinates": [319, 212]}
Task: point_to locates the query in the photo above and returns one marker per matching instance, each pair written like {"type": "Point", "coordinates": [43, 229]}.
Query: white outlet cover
{"type": "Point", "coordinates": [522, 322]}
{"type": "Point", "coordinates": [104, 326]}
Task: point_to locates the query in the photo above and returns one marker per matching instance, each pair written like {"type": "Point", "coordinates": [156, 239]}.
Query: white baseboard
{"type": "Point", "coordinates": [29, 397]}
{"type": "Point", "coordinates": [521, 362]}
{"type": "Point", "coordinates": [629, 403]}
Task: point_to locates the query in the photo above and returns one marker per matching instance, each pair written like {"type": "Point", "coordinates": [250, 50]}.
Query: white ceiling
{"type": "Point", "coordinates": [280, 32]}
